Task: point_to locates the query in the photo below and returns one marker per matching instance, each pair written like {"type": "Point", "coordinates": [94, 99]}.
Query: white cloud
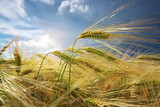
{"type": "Point", "coordinates": [73, 6]}
{"type": "Point", "coordinates": [14, 19]}
{"type": "Point", "coordinates": [51, 2]}
{"type": "Point", "coordinates": [12, 9]}
{"type": "Point", "coordinates": [83, 8]}
{"type": "Point", "coordinates": [18, 27]}
{"type": "Point", "coordinates": [43, 42]}
{"type": "Point", "coordinates": [47, 42]}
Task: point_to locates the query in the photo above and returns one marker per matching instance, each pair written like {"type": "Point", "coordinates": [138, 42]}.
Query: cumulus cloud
{"type": "Point", "coordinates": [46, 42]}
{"type": "Point", "coordinates": [43, 42]}
{"type": "Point", "coordinates": [73, 6]}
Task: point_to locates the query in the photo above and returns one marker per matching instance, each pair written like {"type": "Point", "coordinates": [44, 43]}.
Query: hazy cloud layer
{"type": "Point", "coordinates": [51, 2]}
{"type": "Point", "coordinates": [12, 9]}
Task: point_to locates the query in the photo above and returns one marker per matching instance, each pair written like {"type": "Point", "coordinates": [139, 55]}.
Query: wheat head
{"type": "Point", "coordinates": [74, 50]}
{"type": "Point", "coordinates": [100, 53]}
{"type": "Point", "coordinates": [6, 46]}
{"type": "Point", "coordinates": [149, 57]}
{"type": "Point", "coordinates": [63, 56]}
{"type": "Point", "coordinates": [94, 35]}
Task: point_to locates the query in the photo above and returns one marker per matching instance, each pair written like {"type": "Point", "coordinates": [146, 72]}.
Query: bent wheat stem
{"type": "Point", "coordinates": [70, 66]}
{"type": "Point", "coordinates": [90, 35]}
{"type": "Point", "coordinates": [60, 77]}
{"type": "Point", "coordinates": [41, 64]}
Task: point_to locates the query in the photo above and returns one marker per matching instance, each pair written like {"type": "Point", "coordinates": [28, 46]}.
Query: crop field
{"type": "Point", "coordinates": [79, 77]}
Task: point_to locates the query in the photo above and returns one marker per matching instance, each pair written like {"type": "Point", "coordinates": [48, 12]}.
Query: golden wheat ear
{"type": "Point", "coordinates": [63, 56]}
{"type": "Point", "coordinates": [17, 57]}
{"type": "Point", "coordinates": [6, 46]}
{"type": "Point", "coordinates": [149, 57]}
{"type": "Point", "coordinates": [74, 50]}
{"type": "Point", "coordinates": [94, 35]}
{"type": "Point", "coordinates": [100, 53]}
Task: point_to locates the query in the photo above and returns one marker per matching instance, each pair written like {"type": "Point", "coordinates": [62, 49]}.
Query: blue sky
{"type": "Point", "coordinates": [47, 24]}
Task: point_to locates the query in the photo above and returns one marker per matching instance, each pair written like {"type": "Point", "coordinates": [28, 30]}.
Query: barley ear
{"type": "Point", "coordinates": [74, 50]}
{"type": "Point", "coordinates": [6, 46]}
{"type": "Point", "coordinates": [100, 53]}
{"type": "Point", "coordinates": [17, 58]}
{"type": "Point", "coordinates": [148, 57]}
{"type": "Point", "coordinates": [63, 56]}
{"type": "Point", "coordinates": [95, 102]}
{"type": "Point", "coordinates": [94, 35]}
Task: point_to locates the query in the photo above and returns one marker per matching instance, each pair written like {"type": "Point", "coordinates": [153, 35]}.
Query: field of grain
{"type": "Point", "coordinates": [79, 77]}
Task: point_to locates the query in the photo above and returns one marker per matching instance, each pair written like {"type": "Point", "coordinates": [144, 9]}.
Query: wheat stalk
{"type": "Point", "coordinates": [99, 102]}
{"type": "Point", "coordinates": [42, 64]}
{"type": "Point", "coordinates": [26, 72]}
{"type": "Point", "coordinates": [59, 54]}
{"type": "Point", "coordinates": [42, 56]}
{"type": "Point", "coordinates": [90, 35]}
{"type": "Point", "coordinates": [63, 56]}
{"type": "Point", "coordinates": [94, 102]}
{"type": "Point", "coordinates": [87, 34]}
{"type": "Point", "coordinates": [100, 53]}
{"type": "Point", "coordinates": [17, 58]}
{"type": "Point", "coordinates": [59, 79]}
{"type": "Point", "coordinates": [149, 57]}
{"type": "Point", "coordinates": [148, 82]}
{"type": "Point", "coordinates": [74, 50]}
{"type": "Point", "coordinates": [6, 46]}
{"type": "Point", "coordinates": [67, 59]}
{"type": "Point", "coordinates": [80, 61]}
{"type": "Point", "coordinates": [94, 35]}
